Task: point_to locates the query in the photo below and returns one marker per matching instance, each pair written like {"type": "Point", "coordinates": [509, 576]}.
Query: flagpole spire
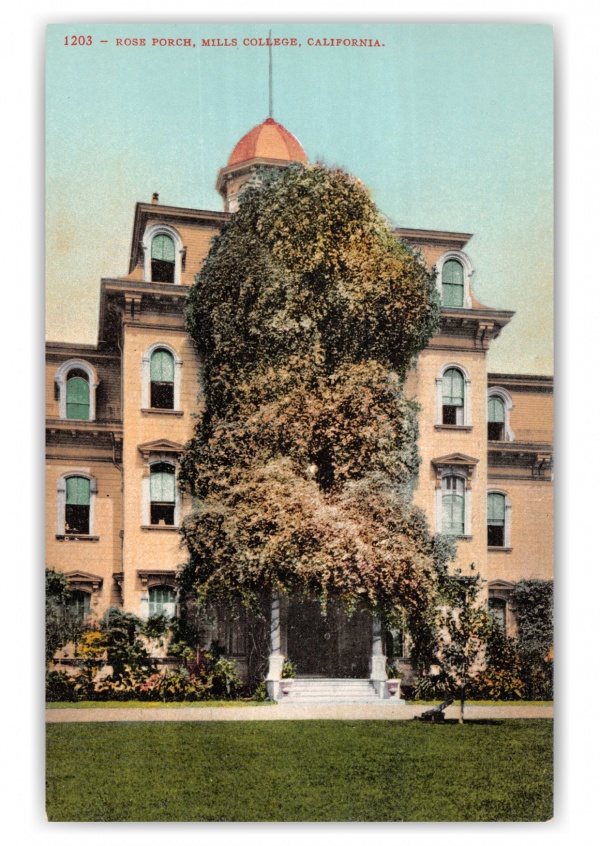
{"type": "Point", "coordinates": [270, 75]}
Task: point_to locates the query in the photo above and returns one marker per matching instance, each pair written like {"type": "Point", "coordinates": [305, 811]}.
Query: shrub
{"type": "Point", "coordinates": [60, 687]}
{"type": "Point", "coordinates": [439, 686]}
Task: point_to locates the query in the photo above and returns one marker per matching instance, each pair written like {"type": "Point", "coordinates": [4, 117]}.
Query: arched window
{"type": "Point", "coordinates": [78, 603]}
{"type": "Point", "coordinates": [453, 505]}
{"type": "Point", "coordinates": [78, 395]}
{"type": "Point", "coordinates": [164, 254]}
{"type": "Point", "coordinates": [162, 494]}
{"type": "Point", "coordinates": [162, 379]}
{"type": "Point", "coordinates": [497, 611]}
{"type": "Point", "coordinates": [453, 284]}
{"type": "Point", "coordinates": [497, 519]}
{"type": "Point", "coordinates": [77, 506]}
{"type": "Point", "coordinates": [161, 600]}
{"type": "Point", "coordinates": [162, 259]}
{"type": "Point", "coordinates": [496, 419]}
{"type": "Point", "coordinates": [453, 398]}
{"type": "Point", "coordinates": [76, 382]}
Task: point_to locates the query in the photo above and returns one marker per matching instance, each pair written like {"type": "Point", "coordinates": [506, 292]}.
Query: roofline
{"type": "Point", "coordinates": [205, 216]}
{"type": "Point", "coordinates": [427, 236]}
{"type": "Point", "coordinates": [514, 378]}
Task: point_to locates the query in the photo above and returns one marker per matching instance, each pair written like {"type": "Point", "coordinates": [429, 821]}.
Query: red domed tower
{"type": "Point", "coordinates": [268, 145]}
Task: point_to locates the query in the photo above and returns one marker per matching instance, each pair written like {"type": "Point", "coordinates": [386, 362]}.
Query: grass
{"type": "Point", "coordinates": [217, 703]}
{"type": "Point", "coordinates": [309, 770]}
{"type": "Point", "coordinates": [511, 702]}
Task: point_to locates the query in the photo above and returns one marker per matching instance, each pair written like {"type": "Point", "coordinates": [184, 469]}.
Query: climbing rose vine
{"type": "Point", "coordinates": [307, 315]}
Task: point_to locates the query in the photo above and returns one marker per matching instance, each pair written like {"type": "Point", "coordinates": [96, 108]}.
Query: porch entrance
{"type": "Point", "coordinates": [331, 646]}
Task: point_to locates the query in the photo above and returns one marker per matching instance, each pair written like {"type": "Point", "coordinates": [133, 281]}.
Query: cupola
{"type": "Point", "coordinates": [267, 145]}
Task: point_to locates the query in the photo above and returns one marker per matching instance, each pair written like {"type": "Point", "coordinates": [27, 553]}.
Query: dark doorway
{"type": "Point", "coordinates": [331, 646]}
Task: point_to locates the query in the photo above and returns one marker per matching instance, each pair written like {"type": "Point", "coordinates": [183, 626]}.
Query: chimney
{"type": "Point", "coordinates": [155, 198]}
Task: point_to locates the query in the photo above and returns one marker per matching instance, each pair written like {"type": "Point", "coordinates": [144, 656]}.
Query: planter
{"type": "Point", "coordinates": [286, 686]}
{"type": "Point", "coordinates": [393, 688]}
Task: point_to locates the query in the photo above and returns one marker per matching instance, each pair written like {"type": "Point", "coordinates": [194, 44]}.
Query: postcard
{"type": "Point", "coordinates": [299, 422]}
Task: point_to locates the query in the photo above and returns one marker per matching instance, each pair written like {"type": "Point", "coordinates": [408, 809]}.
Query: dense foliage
{"type": "Point", "coordinates": [62, 625]}
{"type": "Point", "coordinates": [533, 602]}
{"type": "Point", "coordinates": [307, 315]}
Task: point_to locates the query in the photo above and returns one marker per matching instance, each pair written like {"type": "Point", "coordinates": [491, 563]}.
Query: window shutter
{"type": "Point", "coordinates": [495, 410]}
{"type": "Point", "coordinates": [163, 248]}
{"type": "Point", "coordinates": [495, 509]}
{"type": "Point", "coordinates": [78, 399]}
{"type": "Point", "coordinates": [162, 601]}
{"type": "Point", "coordinates": [78, 491]}
{"type": "Point", "coordinates": [162, 485]}
{"type": "Point", "coordinates": [162, 367]}
{"type": "Point", "coordinates": [453, 514]}
{"type": "Point", "coordinates": [453, 284]}
{"type": "Point", "coordinates": [453, 388]}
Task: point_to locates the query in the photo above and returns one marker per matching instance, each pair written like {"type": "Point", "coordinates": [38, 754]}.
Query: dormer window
{"type": "Point", "coordinates": [163, 253]}
{"type": "Point", "coordinates": [76, 381]}
{"type": "Point", "coordinates": [453, 284]}
{"type": "Point", "coordinates": [454, 271]}
{"type": "Point", "coordinates": [163, 259]}
{"type": "Point", "coordinates": [78, 395]}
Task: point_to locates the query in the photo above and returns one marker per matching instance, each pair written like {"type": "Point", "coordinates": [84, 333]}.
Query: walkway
{"type": "Point", "coordinates": [290, 712]}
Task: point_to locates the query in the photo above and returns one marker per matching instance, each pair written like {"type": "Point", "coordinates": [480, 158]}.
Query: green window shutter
{"type": "Point", "coordinates": [162, 484]}
{"type": "Point", "coordinates": [495, 410]}
{"type": "Point", "coordinates": [162, 367]}
{"type": "Point", "coordinates": [453, 388]}
{"type": "Point", "coordinates": [78, 491]}
{"type": "Point", "coordinates": [162, 601]}
{"type": "Point", "coordinates": [78, 399]}
{"type": "Point", "coordinates": [453, 514]}
{"type": "Point", "coordinates": [453, 284]}
{"type": "Point", "coordinates": [163, 248]}
{"type": "Point", "coordinates": [495, 509]}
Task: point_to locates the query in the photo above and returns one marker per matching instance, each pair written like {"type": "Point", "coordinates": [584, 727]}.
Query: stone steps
{"type": "Point", "coordinates": [320, 691]}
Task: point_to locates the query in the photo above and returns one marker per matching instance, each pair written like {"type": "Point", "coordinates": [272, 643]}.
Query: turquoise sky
{"type": "Point", "coordinates": [450, 126]}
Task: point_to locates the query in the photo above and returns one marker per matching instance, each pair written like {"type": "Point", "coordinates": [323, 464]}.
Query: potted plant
{"type": "Point", "coordinates": [394, 672]}
{"type": "Point", "coordinates": [288, 675]}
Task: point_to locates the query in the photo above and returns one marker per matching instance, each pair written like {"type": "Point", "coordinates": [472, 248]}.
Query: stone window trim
{"type": "Point", "coordinates": [60, 378]}
{"type": "Point", "coordinates": [503, 590]}
{"type": "Point", "coordinates": [146, 359]}
{"type": "Point", "coordinates": [159, 458]}
{"type": "Point", "coordinates": [149, 579]}
{"type": "Point", "coordinates": [61, 502]}
{"type": "Point", "coordinates": [468, 269]}
{"type": "Point", "coordinates": [86, 582]}
{"type": "Point", "coordinates": [149, 235]}
{"type": "Point", "coordinates": [461, 466]}
{"type": "Point", "coordinates": [507, 400]}
{"type": "Point", "coordinates": [439, 402]}
{"type": "Point", "coordinates": [506, 547]}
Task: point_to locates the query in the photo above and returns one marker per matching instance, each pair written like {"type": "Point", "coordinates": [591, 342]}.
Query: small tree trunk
{"type": "Point", "coordinates": [461, 716]}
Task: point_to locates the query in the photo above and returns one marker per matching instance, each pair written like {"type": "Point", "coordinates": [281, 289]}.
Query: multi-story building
{"type": "Point", "coordinates": [119, 414]}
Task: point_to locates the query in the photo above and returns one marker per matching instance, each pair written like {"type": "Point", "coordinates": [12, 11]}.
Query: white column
{"type": "Point", "coordinates": [378, 673]}
{"type": "Point", "coordinates": [276, 659]}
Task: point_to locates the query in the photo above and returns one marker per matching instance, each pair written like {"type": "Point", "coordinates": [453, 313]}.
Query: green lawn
{"type": "Point", "coordinates": [322, 770]}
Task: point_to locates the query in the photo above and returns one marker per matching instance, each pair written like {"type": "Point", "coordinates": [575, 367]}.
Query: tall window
{"type": "Point", "coordinates": [163, 259]}
{"type": "Point", "coordinates": [496, 519]}
{"type": "Point", "coordinates": [453, 398]}
{"type": "Point", "coordinates": [77, 507]}
{"type": "Point", "coordinates": [161, 601]}
{"type": "Point", "coordinates": [76, 382]}
{"type": "Point", "coordinates": [496, 419]}
{"type": "Point", "coordinates": [78, 603]}
{"type": "Point", "coordinates": [162, 494]}
{"type": "Point", "coordinates": [497, 611]}
{"type": "Point", "coordinates": [453, 284]}
{"type": "Point", "coordinates": [162, 379]}
{"type": "Point", "coordinates": [78, 395]}
{"type": "Point", "coordinates": [453, 505]}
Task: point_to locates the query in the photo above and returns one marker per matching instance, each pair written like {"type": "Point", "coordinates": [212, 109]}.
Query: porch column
{"type": "Point", "coordinates": [276, 659]}
{"type": "Point", "coordinates": [378, 673]}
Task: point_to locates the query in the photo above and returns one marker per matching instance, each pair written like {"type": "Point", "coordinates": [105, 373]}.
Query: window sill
{"type": "Point", "coordinates": [459, 426]}
{"type": "Point", "coordinates": [461, 537]}
{"type": "Point", "coordinates": [160, 528]}
{"type": "Point", "coordinates": [500, 549]}
{"type": "Point", "coordinates": [169, 411]}
{"type": "Point", "coordinates": [77, 537]}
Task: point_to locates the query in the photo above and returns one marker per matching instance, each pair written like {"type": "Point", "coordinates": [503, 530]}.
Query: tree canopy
{"type": "Point", "coordinates": [307, 314]}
